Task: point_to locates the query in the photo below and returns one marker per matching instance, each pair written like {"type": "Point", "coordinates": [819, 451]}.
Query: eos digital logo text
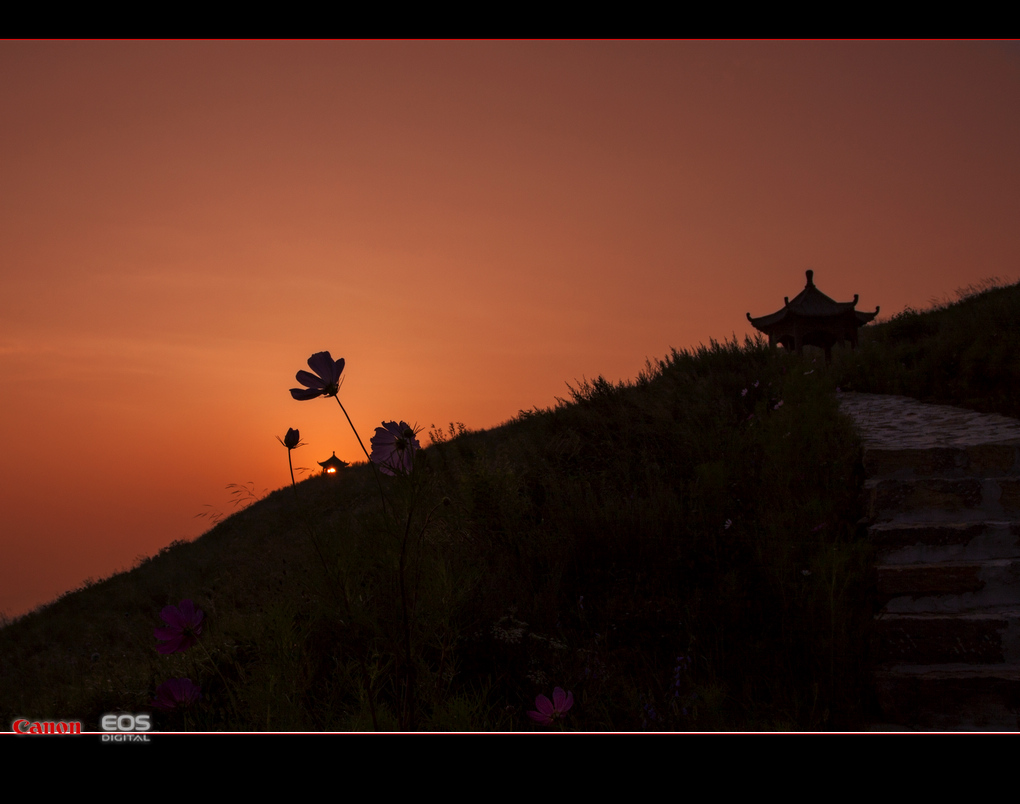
{"type": "Point", "coordinates": [125, 728]}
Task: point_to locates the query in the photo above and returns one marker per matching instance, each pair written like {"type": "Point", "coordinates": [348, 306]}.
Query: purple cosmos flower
{"type": "Point", "coordinates": [393, 447]}
{"type": "Point", "coordinates": [550, 711]}
{"type": "Point", "coordinates": [184, 624]}
{"type": "Point", "coordinates": [177, 692]}
{"type": "Point", "coordinates": [290, 441]}
{"type": "Point", "coordinates": [324, 382]}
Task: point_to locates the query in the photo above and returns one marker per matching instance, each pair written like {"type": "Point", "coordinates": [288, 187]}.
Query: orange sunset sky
{"type": "Point", "coordinates": [468, 224]}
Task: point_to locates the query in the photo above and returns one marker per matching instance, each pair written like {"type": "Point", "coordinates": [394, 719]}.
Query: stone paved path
{"type": "Point", "coordinates": [899, 422]}
{"type": "Point", "coordinates": [943, 488]}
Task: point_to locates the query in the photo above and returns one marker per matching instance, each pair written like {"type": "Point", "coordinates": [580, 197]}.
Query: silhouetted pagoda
{"type": "Point", "coordinates": [331, 466]}
{"type": "Point", "coordinates": [813, 319]}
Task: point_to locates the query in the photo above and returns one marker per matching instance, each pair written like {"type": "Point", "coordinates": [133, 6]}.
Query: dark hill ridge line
{"type": "Point", "coordinates": [652, 539]}
{"type": "Point", "coordinates": [646, 499]}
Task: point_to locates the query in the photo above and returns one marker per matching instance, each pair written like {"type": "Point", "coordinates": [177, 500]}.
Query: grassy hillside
{"type": "Point", "coordinates": [680, 552]}
{"type": "Point", "coordinates": [963, 353]}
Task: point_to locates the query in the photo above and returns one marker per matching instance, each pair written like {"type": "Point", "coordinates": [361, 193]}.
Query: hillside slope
{"type": "Point", "coordinates": [680, 552]}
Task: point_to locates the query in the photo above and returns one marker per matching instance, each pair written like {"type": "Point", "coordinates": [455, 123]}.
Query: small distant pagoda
{"type": "Point", "coordinates": [813, 319]}
{"type": "Point", "coordinates": [331, 466]}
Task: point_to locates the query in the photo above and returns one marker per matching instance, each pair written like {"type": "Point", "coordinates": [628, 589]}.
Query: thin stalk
{"type": "Point", "coordinates": [226, 685]}
{"type": "Point", "coordinates": [408, 714]}
{"type": "Point", "coordinates": [308, 526]}
{"type": "Point", "coordinates": [421, 543]}
{"type": "Point", "coordinates": [378, 480]}
{"type": "Point", "coordinates": [329, 576]}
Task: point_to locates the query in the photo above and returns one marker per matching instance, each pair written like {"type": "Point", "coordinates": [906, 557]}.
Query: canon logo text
{"type": "Point", "coordinates": [22, 726]}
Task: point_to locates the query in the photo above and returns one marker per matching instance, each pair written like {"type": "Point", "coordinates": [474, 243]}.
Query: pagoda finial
{"type": "Point", "coordinates": [810, 278]}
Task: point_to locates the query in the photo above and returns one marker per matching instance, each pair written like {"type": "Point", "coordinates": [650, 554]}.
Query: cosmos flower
{"type": "Point", "coordinates": [324, 382]}
{"type": "Point", "coordinates": [393, 447]}
{"type": "Point", "coordinates": [184, 624]}
{"type": "Point", "coordinates": [551, 711]}
{"type": "Point", "coordinates": [177, 692]}
{"type": "Point", "coordinates": [290, 441]}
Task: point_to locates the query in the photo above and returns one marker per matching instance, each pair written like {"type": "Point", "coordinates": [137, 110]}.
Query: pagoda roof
{"type": "Point", "coordinates": [333, 462]}
{"type": "Point", "coordinates": [812, 303]}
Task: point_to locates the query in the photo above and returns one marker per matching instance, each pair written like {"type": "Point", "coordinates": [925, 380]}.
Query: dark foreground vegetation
{"type": "Point", "coordinates": [681, 552]}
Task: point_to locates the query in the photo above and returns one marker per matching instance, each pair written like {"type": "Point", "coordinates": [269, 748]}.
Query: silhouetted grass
{"type": "Point", "coordinates": [965, 353]}
{"type": "Point", "coordinates": [680, 552]}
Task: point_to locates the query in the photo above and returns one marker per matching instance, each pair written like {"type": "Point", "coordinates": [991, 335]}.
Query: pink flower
{"type": "Point", "coordinates": [325, 381]}
{"type": "Point", "coordinates": [177, 692]}
{"type": "Point", "coordinates": [550, 711]}
{"type": "Point", "coordinates": [184, 624]}
{"type": "Point", "coordinates": [393, 447]}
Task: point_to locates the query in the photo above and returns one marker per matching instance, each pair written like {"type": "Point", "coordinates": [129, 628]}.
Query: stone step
{"type": "Point", "coordinates": [949, 586]}
{"type": "Point", "coordinates": [899, 542]}
{"type": "Point", "coordinates": [929, 499]}
{"type": "Point", "coordinates": [956, 697]}
{"type": "Point", "coordinates": [943, 499]}
{"type": "Point", "coordinates": [974, 460]}
{"type": "Point", "coordinates": [987, 636]}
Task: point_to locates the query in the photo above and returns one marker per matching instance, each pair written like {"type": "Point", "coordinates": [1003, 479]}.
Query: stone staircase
{"type": "Point", "coordinates": [943, 489]}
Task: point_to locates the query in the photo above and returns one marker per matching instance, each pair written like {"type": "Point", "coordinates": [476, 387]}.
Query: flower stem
{"type": "Point", "coordinates": [309, 528]}
{"type": "Point", "coordinates": [216, 667]}
{"type": "Point", "coordinates": [341, 404]}
{"type": "Point", "coordinates": [408, 702]}
{"type": "Point", "coordinates": [371, 463]}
